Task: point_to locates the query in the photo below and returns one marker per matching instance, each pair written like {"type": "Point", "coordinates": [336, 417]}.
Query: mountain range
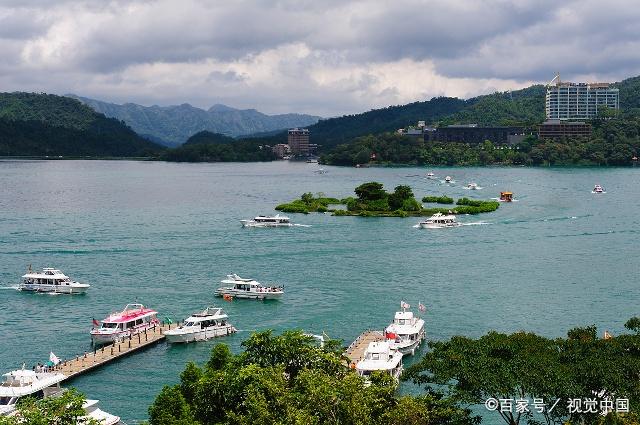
{"type": "Point", "coordinates": [173, 125]}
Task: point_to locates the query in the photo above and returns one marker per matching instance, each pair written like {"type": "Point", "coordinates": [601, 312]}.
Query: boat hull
{"type": "Point", "coordinates": [254, 295]}
{"type": "Point", "coordinates": [54, 289]}
{"type": "Point", "coordinates": [99, 338]}
{"type": "Point", "coordinates": [174, 336]}
{"type": "Point", "coordinates": [438, 226]}
{"type": "Point", "coordinates": [254, 224]}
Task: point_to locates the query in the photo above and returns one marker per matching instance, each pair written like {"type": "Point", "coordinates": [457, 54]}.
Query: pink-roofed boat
{"type": "Point", "coordinates": [135, 318]}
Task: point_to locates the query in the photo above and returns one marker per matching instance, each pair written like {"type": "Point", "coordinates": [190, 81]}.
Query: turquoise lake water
{"type": "Point", "coordinates": [165, 234]}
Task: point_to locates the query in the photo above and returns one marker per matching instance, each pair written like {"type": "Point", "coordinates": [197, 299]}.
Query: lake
{"type": "Point", "coordinates": [165, 234]}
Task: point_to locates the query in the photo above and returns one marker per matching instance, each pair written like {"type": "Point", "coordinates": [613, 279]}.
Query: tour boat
{"type": "Point", "coordinates": [22, 383]}
{"type": "Point", "coordinates": [406, 332]}
{"type": "Point", "coordinates": [506, 197]}
{"type": "Point", "coordinates": [135, 318]}
{"type": "Point", "coordinates": [448, 179]}
{"type": "Point", "coordinates": [439, 221]}
{"type": "Point", "coordinates": [207, 324]}
{"type": "Point", "coordinates": [248, 288]}
{"type": "Point", "coordinates": [380, 356]}
{"type": "Point", "coordinates": [267, 221]}
{"type": "Point", "coordinates": [52, 281]}
{"type": "Point", "coordinates": [472, 186]}
{"type": "Point", "coordinates": [96, 414]}
{"type": "Point", "coordinates": [598, 189]}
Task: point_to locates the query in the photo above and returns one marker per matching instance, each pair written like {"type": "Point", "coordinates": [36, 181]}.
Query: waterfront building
{"type": "Point", "coordinates": [578, 101]}
{"type": "Point", "coordinates": [281, 150]}
{"type": "Point", "coordinates": [557, 129]}
{"type": "Point", "coordinates": [298, 140]}
{"type": "Point", "coordinates": [472, 133]}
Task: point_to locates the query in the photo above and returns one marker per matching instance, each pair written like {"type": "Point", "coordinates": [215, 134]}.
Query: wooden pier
{"type": "Point", "coordinates": [103, 355]}
{"type": "Point", "coordinates": [355, 351]}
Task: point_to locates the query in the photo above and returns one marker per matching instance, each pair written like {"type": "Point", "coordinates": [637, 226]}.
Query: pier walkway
{"type": "Point", "coordinates": [103, 355]}
{"type": "Point", "coordinates": [355, 351]}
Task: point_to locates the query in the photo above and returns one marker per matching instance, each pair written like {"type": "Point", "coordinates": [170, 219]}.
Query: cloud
{"type": "Point", "coordinates": [325, 58]}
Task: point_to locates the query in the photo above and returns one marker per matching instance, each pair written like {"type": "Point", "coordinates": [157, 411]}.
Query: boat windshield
{"type": "Point", "coordinates": [109, 325]}
{"type": "Point", "coordinates": [189, 324]}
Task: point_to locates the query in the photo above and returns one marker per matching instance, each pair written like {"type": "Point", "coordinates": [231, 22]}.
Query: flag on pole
{"type": "Point", "coordinates": [404, 305]}
{"type": "Point", "coordinates": [95, 322]}
{"type": "Point", "coordinates": [421, 307]}
{"type": "Point", "coordinates": [53, 358]}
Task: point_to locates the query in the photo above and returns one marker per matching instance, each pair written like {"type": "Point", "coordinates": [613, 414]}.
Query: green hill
{"type": "Point", "coordinates": [206, 146]}
{"type": "Point", "coordinates": [48, 125]}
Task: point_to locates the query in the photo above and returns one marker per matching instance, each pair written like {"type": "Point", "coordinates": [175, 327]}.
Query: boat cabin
{"type": "Point", "coordinates": [506, 196]}
{"type": "Point", "coordinates": [48, 276]}
{"type": "Point", "coordinates": [212, 316]}
{"type": "Point", "coordinates": [268, 219]}
{"type": "Point", "coordinates": [440, 218]}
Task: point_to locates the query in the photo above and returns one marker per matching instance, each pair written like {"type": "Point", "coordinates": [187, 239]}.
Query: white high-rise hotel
{"type": "Point", "coordinates": [571, 101]}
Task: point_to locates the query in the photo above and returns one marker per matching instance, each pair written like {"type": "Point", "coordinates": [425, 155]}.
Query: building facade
{"type": "Point", "coordinates": [298, 141]}
{"type": "Point", "coordinates": [576, 101]}
{"type": "Point", "coordinates": [281, 150]}
{"type": "Point", "coordinates": [557, 129]}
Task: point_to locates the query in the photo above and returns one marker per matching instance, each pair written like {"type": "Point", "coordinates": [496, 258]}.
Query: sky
{"type": "Point", "coordinates": [322, 57]}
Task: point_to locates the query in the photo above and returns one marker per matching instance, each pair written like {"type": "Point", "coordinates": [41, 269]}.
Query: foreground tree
{"type": "Point", "coordinates": [64, 410]}
{"type": "Point", "coordinates": [290, 379]}
{"type": "Point", "coordinates": [527, 367]}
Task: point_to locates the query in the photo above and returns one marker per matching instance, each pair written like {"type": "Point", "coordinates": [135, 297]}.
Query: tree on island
{"type": "Point", "coordinates": [290, 379]}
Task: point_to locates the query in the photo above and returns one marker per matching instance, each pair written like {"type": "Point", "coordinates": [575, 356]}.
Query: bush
{"type": "Point", "coordinates": [438, 199]}
{"type": "Point", "coordinates": [411, 205]}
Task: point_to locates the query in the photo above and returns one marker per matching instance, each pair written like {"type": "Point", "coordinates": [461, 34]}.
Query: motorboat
{"type": "Point", "coordinates": [406, 332]}
{"type": "Point", "coordinates": [247, 288]}
{"type": "Point", "coordinates": [439, 221]}
{"type": "Point", "coordinates": [598, 189]}
{"type": "Point", "coordinates": [207, 324]}
{"type": "Point", "coordinates": [312, 160]}
{"type": "Point", "coordinates": [134, 319]}
{"type": "Point", "coordinates": [448, 179]}
{"type": "Point", "coordinates": [506, 197]}
{"type": "Point", "coordinates": [321, 171]}
{"type": "Point", "coordinates": [380, 356]}
{"type": "Point", "coordinates": [267, 221]}
{"type": "Point", "coordinates": [21, 383]}
{"type": "Point", "coordinates": [94, 413]}
{"type": "Point", "coordinates": [52, 281]}
{"type": "Point", "coordinates": [430, 175]}
{"type": "Point", "coordinates": [472, 186]}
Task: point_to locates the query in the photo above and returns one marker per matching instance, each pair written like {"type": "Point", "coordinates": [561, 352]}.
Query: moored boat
{"type": "Point", "coordinates": [248, 288]}
{"type": "Point", "coordinates": [135, 318]}
{"type": "Point", "coordinates": [93, 412]}
{"type": "Point", "coordinates": [22, 383]}
{"type": "Point", "coordinates": [380, 356]}
{"type": "Point", "coordinates": [406, 332]}
{"type": "Point", "coordinates": [439, 221]}
{"type": "Point", "coordinates": [51, 280]}
{"type": "Point", "coordinates": [210, 323]}
{"type": "Point", "coordinates": [267, 221]}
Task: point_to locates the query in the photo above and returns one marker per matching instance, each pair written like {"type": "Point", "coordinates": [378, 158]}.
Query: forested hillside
{"type": "Point", "coordinates": [48, 125]}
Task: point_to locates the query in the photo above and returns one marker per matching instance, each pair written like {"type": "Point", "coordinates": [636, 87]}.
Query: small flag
{"type": "Point", "coordinates": [168, 320]}
{"type": "Point", "coordinates": [421, 307]}
{"type": "Point", "coordinates": [95, 322]}
{"type": "Point", "coordinates": [404, 305]}
{"type": "Point", "coordinates": [53, 358]}
{"type": "Point", "coordinates": [391, 335]}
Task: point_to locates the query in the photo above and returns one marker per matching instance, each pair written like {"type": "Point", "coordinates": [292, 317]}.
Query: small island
{"type": "Point", "coordinates": [372, 200]}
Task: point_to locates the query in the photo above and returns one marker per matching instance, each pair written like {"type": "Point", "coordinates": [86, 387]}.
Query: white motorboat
{"type": "Point", "coordinates": [321, 171]}
{"type": "Point", "coordinates": [207, 324]}
{"type": "Point", "coordinates": [439, 221]}
{"type": "Point", "coordinates": [134, 319]}
{"type": "Point", "coordinates": [406, 333]}
{"type": "Point", "coordinates": [448, 179]}
{"type": "Point", "coordinates": [248, 288]}
{"type": "Point", "coordinates": [472, 186]}
{"type": "Point", "coordinates": [380, 356]}
{"type": "Point", "coordinates": [598, 189]}
{"type": "Point", "coordinates": [267, 221]}
{"type": "Point", "coordinates": [52, 281]}
{"type": "Point", "coordinates": [430, 175]}
{"type": "Point", "coordinates": [22, 383]}
{"type": "Point", "coordinates": [96, 414]}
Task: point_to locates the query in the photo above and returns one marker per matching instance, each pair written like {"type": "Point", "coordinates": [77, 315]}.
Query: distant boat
{"type": "Point", "coordinates": [472, 186]}
{"type": "Point", "coordinates": [248, 288]}
{"type": "Point", "coordinates": [312, 161]}
{"type": "Point", "coordinates": [598, 189]}
{"type": "Point", "coordinates": [448, 179]}
{"type": "Point", "coordinates": [506, 197]}
{"type": "Point", "coordinates": [430, 175]}
{"type": "Point", "coordinates": [321, 171]}
{"type": "Point", "coordinates": [267, 221]}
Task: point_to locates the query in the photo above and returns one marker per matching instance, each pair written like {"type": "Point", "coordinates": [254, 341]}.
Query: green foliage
{"type": "Point", "coordinates": [633, 324]}
{"type": "Point", "coordinates": [438, 199]}
{"type": "Point", "coordinates": [371, 191]}
{"type": "Point", "coordinates": [527, 365]}
{"type": "Point", "coordinates": [48, 125]}
{"type": "Point", "coordinates": [289, 379]}
{"type": "Point", "coordinates": [308, 203]}
{"type": "Point", "coordinates": [399, 196]}
{"type": "Point", "coordinates": [206, 146]}
{"type": "Point", "coordinates": [62, 410]}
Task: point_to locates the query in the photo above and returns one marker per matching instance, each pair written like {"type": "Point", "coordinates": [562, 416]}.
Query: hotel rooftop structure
{"type": "Point", "coordinates": [576, 101]}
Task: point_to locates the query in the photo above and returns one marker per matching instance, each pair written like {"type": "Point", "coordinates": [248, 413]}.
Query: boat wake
{"type": "Point", "coordinates": [301, 225]}
{"type": "Point", "coordinates": [15, 287]}
{"type": "Point", "coordinates": [476, 188]}
{"type": "Point", "coordinates": [476, 223]}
